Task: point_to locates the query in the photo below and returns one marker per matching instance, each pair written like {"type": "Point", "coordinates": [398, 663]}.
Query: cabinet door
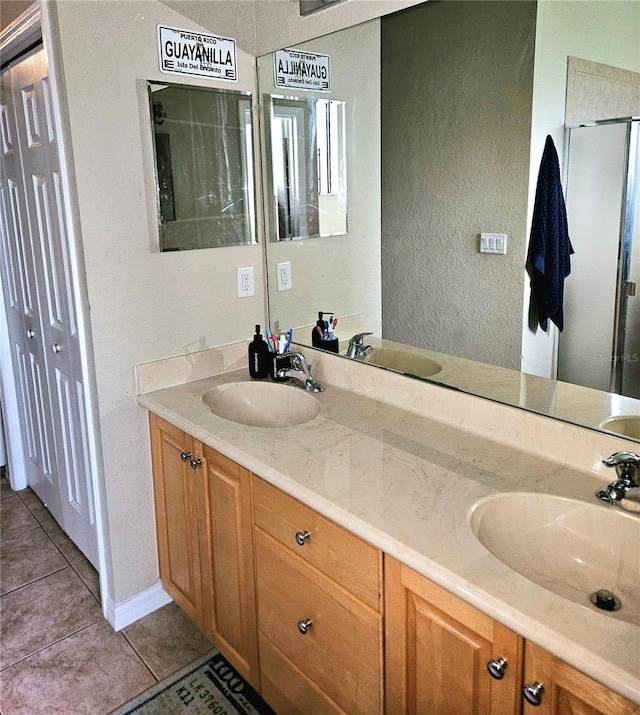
{"type": "Point", "coordinates": [438, 648]}
{"type": "Point", "coordinates": [227, 562]}
{"type": "Point", "coordinates": [566, 690]}
{"type": "Point", "coordinates": [175, 491]}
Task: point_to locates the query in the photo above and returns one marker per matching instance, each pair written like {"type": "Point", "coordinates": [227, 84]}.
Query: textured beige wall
{"type": "Point", "coordinates": [456, 92]}
{"type": "Point", "coordinates": [145, 305]}
{"type": "Point", "coordinates": [339, 273]}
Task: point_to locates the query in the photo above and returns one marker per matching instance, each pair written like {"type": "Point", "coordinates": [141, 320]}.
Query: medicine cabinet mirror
{"type": "Point", "coordinates": [203, 150]}
{"type": "Point", "coordinates": [307, 177]}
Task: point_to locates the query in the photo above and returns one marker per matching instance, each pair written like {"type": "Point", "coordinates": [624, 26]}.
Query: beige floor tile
{"type": "Point", "coordinates": [166, 640]}
{"type": "Point", "coordinates": [5, 489]}
{"type": "Point", "coordinates": [15, 518]}
{"type": "Point", "coordinates": [89, 575]}
{"type": "Point", "coordinates": [42, 613]}
{"type": "Point", "coordinates": [89, 673]}
{"type": "Point", "coordinates": [69, 550]}
{"type": "Point", "coordinates": [32, 501]}
{"type": "Point", "coordinates": [27, 557]}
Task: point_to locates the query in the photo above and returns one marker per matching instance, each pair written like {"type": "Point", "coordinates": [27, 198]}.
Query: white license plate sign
{"type": "Point", "coordinates": [302, 70]}
{"type": "Point", "coordinates": [197, 54]}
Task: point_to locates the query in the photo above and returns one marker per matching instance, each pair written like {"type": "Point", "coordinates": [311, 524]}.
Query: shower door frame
{"type": "Point", "coordinates": [627, 216]}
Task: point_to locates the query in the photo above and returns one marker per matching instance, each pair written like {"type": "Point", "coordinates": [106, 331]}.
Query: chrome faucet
{"type": "Point", "coordinates": [297, 371]}
{"type": "Point", "coordinates": [357, 349]}
{"type": "Point", "coordinates": [627, 465]}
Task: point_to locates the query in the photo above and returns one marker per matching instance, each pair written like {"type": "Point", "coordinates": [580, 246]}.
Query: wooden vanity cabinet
{"type": "Point", "coordinates": [175, 485]}
{"type": "Point", "coordinates": [205, 541]}
{"type": "Point", "coordinates": [567, 691]}
{"type": "Point", "coordinates": [296, 603]}
{"type": "Point", "coordinates": [319, 610]}
{"type": "Point", "coordinates": [437, 648]}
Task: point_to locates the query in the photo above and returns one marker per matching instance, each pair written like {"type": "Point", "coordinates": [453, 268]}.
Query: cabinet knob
{"type": "Point", "coordinates": [195, 463]}
{"type": "Point", "coordinates": [304, 626]}
{"type": "Point", "coordinates": [184, 456]}
{"type": "Point", "coordinates": [30, 334]}
{"type": "Point", "coordinates": [533, 693]}
{"type": "Point", "coordinates": [496, 668]}
{"type": "Point", "coordinates": [56, 348]}
{"type": "Point", "coordinates": [301, 537]}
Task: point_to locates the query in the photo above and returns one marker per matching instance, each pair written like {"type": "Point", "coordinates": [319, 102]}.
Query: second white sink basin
{"type": "Point", "coordinates": [403, 361]}
{"type": "Point", "coordinates": [626, 425]}
{"type": "Point", "coordinates": [570, 547]}
{"type": "Point", "coordinates": [262, 404]}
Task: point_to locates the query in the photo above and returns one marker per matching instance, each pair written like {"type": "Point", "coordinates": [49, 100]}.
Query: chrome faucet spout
{"type": "Point", "coordinates": [627, 465]}
{"type": "Point", "coordinates": [298, 371]}
{"type": "Point", "coordinates": [357, 349]}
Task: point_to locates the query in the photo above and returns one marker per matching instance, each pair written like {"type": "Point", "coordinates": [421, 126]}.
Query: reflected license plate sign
{"type": "Point", "coordinates": [302, 70]}
{"type": "Point", "coordinates": [197, 54]}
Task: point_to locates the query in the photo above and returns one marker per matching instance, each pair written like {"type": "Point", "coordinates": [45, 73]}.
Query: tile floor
{"type": "Point", "coordinates": [57, 653]}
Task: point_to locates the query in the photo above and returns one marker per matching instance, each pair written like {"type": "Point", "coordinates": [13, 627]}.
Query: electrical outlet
{"type": "Point", "coordinates": [245, 282]}
{"type": "Point", "coordinates": [283, 273]}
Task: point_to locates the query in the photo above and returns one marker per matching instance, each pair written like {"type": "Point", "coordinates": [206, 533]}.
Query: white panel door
{"type": "Point", "coordinates": [23, 318]}
{"type": "Point", "coordinates": [43, 187]}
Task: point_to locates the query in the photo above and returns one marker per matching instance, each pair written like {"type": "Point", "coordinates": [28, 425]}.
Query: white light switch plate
{"type": "Point", "coordinates": [493, 243]}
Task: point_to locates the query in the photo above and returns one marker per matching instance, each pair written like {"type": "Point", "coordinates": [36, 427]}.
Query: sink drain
{"type": "Point", "coordinates": [605, 600]}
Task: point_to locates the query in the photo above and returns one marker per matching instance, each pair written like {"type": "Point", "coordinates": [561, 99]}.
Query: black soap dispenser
{"type": "Point", "coordinates": [259, 362]}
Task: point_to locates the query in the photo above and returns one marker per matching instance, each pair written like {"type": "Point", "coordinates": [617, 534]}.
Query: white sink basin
{"type": "Point", "coordinates": [625, 425]}
{"type": "Point", "coordinates": [570, 547]}
{"type": "Point", "coordinates": [402, 361]}
{"type": "Point", "coordinates": [262, 404]}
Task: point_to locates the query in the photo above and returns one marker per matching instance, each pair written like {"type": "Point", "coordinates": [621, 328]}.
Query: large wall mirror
{"type": "Point", "coordinates": [447, 109]}
{"type": "Point", "coordinates": [203, 150]}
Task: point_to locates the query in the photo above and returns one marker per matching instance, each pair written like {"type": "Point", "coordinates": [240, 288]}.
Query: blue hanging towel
{"type": "Point", "coordinates": [549, 257]}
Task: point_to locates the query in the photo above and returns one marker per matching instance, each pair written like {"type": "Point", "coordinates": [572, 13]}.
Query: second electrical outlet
{"type": "Point", "coordinates": [283, 273]}
{"type": "Point", "coordinates": [245, 282]}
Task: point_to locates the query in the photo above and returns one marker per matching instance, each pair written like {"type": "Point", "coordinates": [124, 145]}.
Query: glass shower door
{"type": "Point", "coordinates": [600, 344]}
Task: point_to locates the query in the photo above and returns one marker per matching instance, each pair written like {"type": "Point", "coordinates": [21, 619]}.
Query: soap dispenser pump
{"type": "Point", "coordinates": [259, 362]}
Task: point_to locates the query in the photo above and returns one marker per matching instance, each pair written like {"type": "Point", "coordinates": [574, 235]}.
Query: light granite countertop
{"type": "Point", "coordinates": [406, 484]}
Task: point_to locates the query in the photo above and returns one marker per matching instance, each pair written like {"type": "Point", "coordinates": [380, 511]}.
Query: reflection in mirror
{"type": "Point", "coordinates": [461, 98]}
{"type": "Point", "coordinates": [308, 167]}
{"type": "Point", "coordinates": [204, 166]}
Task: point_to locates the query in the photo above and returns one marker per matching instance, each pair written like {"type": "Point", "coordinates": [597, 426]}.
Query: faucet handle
{"type": "Point", "coordinates": [625, 463]}
{"type": "Point", "coordinates": [357, 338]}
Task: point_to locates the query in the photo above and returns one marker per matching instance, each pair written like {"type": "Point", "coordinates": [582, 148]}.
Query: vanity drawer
{"type": "Point", "coordinates": [278, 674]}
{"type": "Point", "coordinates": [340, 555]}
{"type": "Point", "coordinates": [341, 651]}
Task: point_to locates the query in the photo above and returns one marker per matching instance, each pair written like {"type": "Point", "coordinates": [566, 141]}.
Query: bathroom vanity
{"type": "Point", "coordinates": [333, 561]}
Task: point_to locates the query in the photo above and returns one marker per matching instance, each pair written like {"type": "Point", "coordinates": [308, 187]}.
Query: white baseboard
{"type": "Point", "coordinates": [121, 615]}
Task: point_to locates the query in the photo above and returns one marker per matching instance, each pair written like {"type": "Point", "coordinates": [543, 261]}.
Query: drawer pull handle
{"type": "Point", "coordinates": [184, 456]}
{"type": "Point", "coordinates": [533, 693]}
{"type": "Point", "coordinates": [497, 667]}
{"type": "Point", "coordinates": [304, 626]}
{"type": "Point", "coordinates": [301, 537]}
{"type": "Point", "coordinates": [195, 463]}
